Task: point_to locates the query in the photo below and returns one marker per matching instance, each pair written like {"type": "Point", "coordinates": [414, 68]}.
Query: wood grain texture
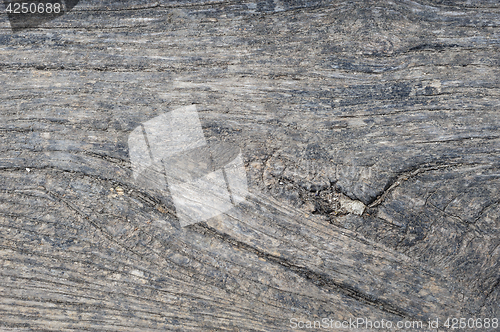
{"type": "Point", "coordinates": [393, 104]}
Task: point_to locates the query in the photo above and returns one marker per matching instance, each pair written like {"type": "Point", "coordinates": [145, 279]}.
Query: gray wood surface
{"type": "Point", "coordinates": [391, 104]}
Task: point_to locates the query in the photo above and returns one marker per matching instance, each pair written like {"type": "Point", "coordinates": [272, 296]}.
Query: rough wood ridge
{"type": "Point", "coordinates": [394, 105]}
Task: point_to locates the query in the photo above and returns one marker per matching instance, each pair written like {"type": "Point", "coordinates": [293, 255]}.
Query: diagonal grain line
{"type": "Point", "coordinates": [320, 279]}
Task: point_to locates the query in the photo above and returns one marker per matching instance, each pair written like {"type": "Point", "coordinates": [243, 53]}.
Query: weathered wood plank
{"type": "Point", "coordinates": [394, 105]}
